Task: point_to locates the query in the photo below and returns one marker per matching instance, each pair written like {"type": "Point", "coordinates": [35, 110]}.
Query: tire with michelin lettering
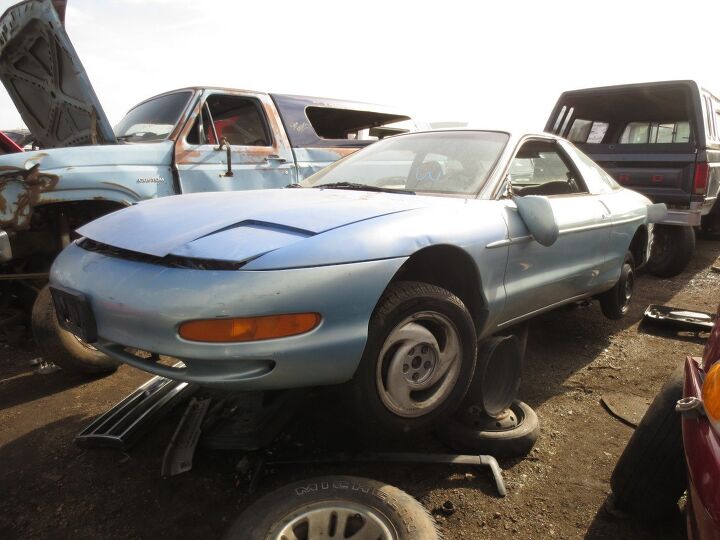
{"type": "Point", "coordinates": [335, 507]}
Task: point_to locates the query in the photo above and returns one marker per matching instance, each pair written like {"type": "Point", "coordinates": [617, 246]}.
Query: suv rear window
{"type": "Point", "coordinates": [587, 131]}
{"type": "Point", "coordinates": [333, 123]}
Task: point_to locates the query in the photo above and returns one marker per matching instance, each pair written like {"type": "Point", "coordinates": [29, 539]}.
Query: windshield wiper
{"type": "Point", "coordinates": [363, 187]}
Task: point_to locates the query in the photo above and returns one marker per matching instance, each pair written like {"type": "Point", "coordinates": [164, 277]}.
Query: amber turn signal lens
{"type": "Point", "coordinates": [248, 328]}
{"type": "Point", "coordinates": [711, 392]}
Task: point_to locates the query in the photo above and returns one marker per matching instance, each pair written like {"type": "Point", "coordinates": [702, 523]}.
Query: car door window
{"type": "Point", "coordinates": [540, 168]}
{"type": "Point", "coordinates": [238, 119]}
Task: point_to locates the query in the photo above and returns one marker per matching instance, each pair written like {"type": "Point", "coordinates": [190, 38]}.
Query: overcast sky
{"type": "Point", "coordinates": [492, 63]}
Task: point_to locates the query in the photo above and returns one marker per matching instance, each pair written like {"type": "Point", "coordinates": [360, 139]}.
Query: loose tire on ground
{"type": "Point", "coordinates": [650, 475]}
{"type": "Point", "coordinates": [335, 507]}
{"type": "Point", "coordinates": [461, 435]}
{"type": "Point", "coordinates": [615, 303]}
{"type": "Point", "coordinates": [673, 247]}
{"type": "Point", "coordinates": [60, 346]}
{"type": "Point", "coordinates": [402, 384]}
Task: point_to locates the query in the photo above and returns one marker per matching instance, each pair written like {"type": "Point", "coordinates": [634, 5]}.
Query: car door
{"type": "Point", "coordinates": [260, 154]}
{"type": "Point", "coordinates": [538, 276]}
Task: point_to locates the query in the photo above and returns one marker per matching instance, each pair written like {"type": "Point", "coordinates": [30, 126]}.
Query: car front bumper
{"type": "Point", "coordinates": [140, 306]}
{"type": "Point", "coordinates": [702, 454]}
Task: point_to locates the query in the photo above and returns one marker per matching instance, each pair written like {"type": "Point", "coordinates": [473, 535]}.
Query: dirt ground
{"type": "Point", "coordinates": [50, 488]}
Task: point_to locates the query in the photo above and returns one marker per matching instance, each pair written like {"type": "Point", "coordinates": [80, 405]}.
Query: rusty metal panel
{"type": "Point", "coordinates": [46, 80]}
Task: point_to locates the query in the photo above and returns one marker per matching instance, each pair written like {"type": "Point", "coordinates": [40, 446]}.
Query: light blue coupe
{"type": "Point", "coordinates": [384, 269]}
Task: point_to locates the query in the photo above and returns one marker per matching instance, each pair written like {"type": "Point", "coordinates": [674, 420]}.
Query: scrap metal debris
{"type": "Point", "coordinates": [626, 407]}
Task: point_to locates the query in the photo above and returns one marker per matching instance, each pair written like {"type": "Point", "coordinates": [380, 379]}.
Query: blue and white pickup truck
{"type": "Point", "coordinates": [183, 141]}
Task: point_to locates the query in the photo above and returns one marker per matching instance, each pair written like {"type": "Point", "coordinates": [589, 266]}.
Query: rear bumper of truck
{"type": "Point", "coordinates": [682, 217]}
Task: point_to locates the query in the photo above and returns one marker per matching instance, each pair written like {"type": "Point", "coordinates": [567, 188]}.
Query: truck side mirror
{"type": "Point", "coordinates": [224, 142]}
{"type": "Point", "coordinates": [537, 213]}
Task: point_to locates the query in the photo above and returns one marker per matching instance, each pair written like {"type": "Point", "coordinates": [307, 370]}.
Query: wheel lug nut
{"type": "Point", "coordinates": [415, 376]}
{"type": "Point", "coordinates": [427, 364]}
{"type": "Point", "coordinates": [425, 349]}
{"type": "Point", "coordinates": [405, 368]}
{"type": "Point", "coordinates": [416, 362]}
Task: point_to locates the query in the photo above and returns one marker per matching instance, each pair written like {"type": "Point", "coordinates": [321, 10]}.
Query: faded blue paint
{"type": "Point", "coordinates": [333, 252]}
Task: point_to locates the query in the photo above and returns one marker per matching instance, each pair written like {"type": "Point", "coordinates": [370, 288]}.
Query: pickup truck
{"type": "Point", "coordinates": [183, 141]}
{"type": "Point", "coordinates": [661, 139]}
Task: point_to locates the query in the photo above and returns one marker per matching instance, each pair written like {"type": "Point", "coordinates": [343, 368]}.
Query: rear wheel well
{"type": "Point", "coordinates": [452, 269]}
{"type": "Point", "coordinates": [638, 246]}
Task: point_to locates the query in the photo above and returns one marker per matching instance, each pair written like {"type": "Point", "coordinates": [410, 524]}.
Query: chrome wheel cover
{"type": "Point", "coordinates": [335, 519]}
{"type": "Point", "coordinates": [419, 364]}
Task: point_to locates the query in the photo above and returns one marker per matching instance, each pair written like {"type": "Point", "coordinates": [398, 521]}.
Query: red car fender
{"type": "Point", "coordinates": [702, 454]}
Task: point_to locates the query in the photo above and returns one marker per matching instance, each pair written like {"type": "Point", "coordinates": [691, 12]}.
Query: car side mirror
{"type": "Point", "coordinates": [537, 213]}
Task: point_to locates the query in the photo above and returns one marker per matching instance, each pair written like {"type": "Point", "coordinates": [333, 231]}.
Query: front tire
{"type": "Point", "coordinates": [615, 303]}
{"type": "Point", "coordinates": [335, 507]}
{"type": "Point", "coordinates": [418, 361]}
{"type": "Point", "coordinates": [60, 346]}
{"type": "Point", "coordinates": [650, 475]}
{"type": "Point", "coordinates": [672, 249]}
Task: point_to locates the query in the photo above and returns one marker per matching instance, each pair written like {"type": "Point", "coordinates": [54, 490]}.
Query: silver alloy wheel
{"type": "Point", "coordinates": [419, 364]}
{"type": "Point", "coordinates": [336, 519]}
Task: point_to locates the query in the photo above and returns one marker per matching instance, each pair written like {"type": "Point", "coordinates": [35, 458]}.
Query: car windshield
{"type": "Point", "coordinates": [441, 162]}
{"type": "Point", "coordinates": [152, 120]}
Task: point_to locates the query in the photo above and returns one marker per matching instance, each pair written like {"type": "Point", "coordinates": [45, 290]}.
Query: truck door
{"type": "Point", "coordinates": [260, 154]}
{"type": "Point", "coordinates": [539, 276]}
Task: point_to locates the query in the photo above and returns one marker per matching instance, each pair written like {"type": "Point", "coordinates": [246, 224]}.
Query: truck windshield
{"type": "Point", "coordinates": [448, 162]}
{"type": "Point", "coordinates": [152, 120]}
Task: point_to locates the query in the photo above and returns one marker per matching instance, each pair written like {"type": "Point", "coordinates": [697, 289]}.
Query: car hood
{"type": "Point", "coordinates": [45, 78]}
{"type": "Point", "coordinates": [240, 226]}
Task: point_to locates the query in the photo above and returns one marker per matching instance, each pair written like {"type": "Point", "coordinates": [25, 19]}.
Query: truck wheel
{"type": "Point", "coordinates": [650, 475]}
{"type": "Point", "coordinates": [511, 434]}
{"type": "Point", "coordinates": [673, 247]}
{"type": "Point", "coordinates": [418, 361]}
{"type": "Point", "coordinates": [335, 507]}
{"type": "Point", "coordinates": [615, 303]}
{"type": "Point", "coordinates": [60, 346]}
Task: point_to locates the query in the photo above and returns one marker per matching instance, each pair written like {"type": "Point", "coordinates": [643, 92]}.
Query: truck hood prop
{"type": "Point", "coordinates": [45, 78]}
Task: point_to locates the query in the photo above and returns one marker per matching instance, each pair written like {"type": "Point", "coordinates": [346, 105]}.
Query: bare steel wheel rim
{"type": "Point", "coordinates": [419, 364]}
{"type": "Point", "coordinates": [336, 519]}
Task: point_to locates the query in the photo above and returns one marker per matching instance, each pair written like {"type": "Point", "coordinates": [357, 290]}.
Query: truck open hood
{"type": "Point", "coordinates": [45, 78]}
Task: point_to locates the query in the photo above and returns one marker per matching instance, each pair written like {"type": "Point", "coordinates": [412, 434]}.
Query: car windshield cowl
{"type": "Point", "coordinates": [433, 163]}
{"type": "Point", "coordinates": [362, 187]}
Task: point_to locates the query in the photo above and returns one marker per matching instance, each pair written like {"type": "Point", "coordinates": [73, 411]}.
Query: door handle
{"type": "Point", "coordinates": [275, 157]}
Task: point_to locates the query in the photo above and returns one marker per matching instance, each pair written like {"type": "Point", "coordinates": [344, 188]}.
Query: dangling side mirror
{"type": "Point", "coordinates": [537, 213]}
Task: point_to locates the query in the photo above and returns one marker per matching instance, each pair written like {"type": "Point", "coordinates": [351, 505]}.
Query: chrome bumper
{"type": "Point", "coordinates": [5, 249]}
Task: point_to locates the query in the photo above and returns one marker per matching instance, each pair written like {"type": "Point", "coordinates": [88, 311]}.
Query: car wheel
{"type": "Point", "coordinates": [335, 507]}
{"type": "Point", "coordinates": [62, 347]}
{"type": "Point", "coordinates": [615, 303]}
{"type": "Point", "coordinates": [418, 361]}
{"type": "Point", "coordinates": [510, 434]}
{"type": "Point", "coordinates": [673, 247]}
{"type": "Point", "coordinates": [650, 475]}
